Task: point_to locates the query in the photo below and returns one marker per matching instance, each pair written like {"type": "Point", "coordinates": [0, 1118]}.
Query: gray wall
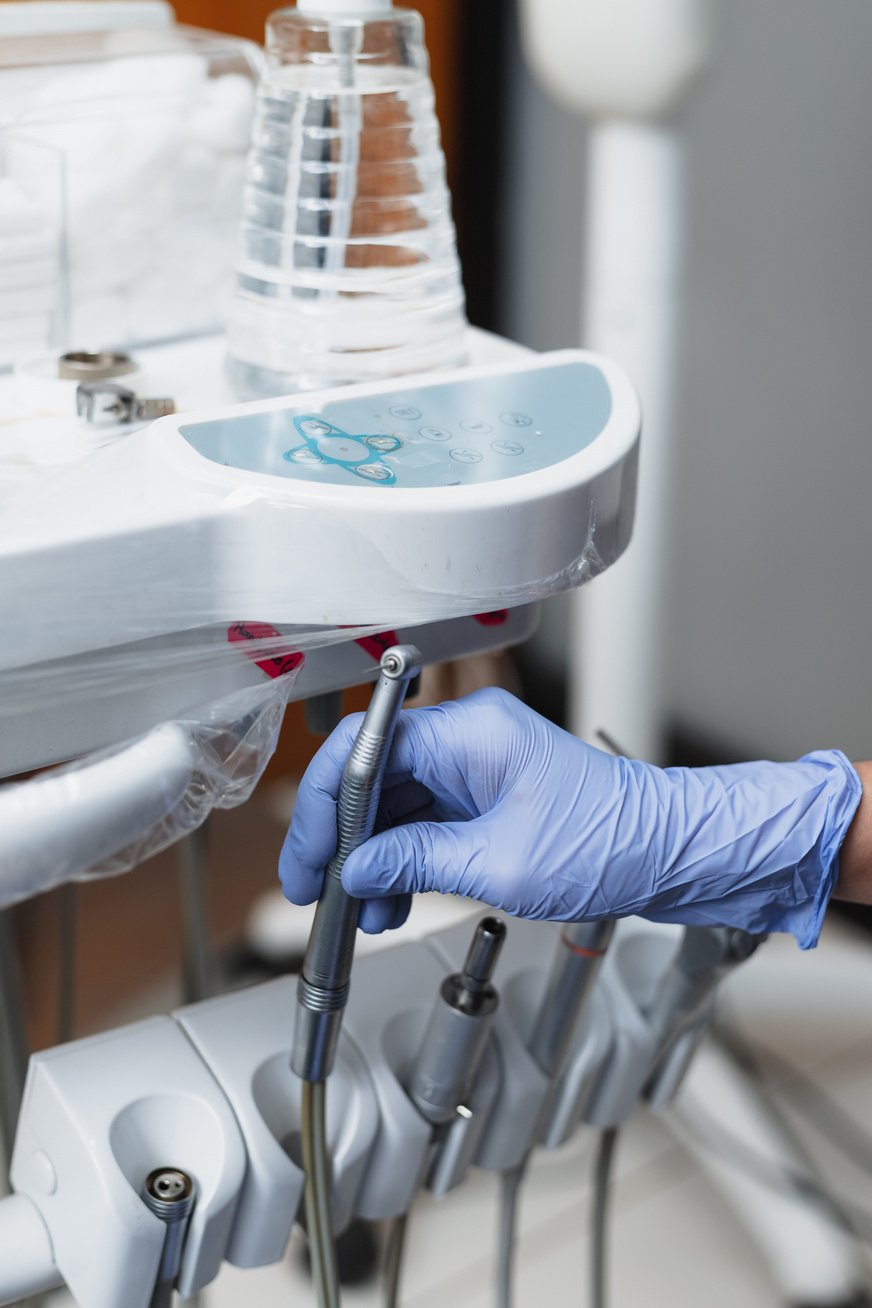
{"type": "Point", "coordinates": [770, 587]}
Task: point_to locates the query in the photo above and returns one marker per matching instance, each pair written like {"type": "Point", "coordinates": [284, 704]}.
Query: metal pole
{"type": "Point", "coordinates": [13, 1040]}
{"type": "Point", "coordinates": [199, 961]}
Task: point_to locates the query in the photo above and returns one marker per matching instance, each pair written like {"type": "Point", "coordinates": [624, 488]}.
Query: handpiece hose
{"type": "Point", "coordinates": [323, 986]}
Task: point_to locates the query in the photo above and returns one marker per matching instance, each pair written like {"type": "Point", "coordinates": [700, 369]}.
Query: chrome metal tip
{"type": "Point", "coordinates": [483, 952]}
{"type": "Point", "coordinates": [402, 662]}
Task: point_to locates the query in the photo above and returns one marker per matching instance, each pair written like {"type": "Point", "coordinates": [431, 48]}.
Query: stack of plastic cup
{"type": "Point", "coordinates": [348, 266]}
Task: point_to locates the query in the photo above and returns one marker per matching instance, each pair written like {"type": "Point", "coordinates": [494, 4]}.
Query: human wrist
{"type": "Point", "coordinates": [854, 880]}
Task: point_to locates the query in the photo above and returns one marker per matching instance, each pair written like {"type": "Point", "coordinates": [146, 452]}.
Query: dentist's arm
{"type": "Point", "coordinates": [485, 798]}
{"type": "Point", "coordinates": [855, 858]}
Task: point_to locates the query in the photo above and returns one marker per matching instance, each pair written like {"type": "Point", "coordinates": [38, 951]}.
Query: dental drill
{"type": "Point", "coordinates": [445, 1068]}
{"type": "Point", "coordinates": [574, 970]}
{"type": "Point", "coordinates": [322, 990]}
{"type": "Point", "coordinates": [444, 1071]}
{"type": "Point", "coordinates": [704, 958]}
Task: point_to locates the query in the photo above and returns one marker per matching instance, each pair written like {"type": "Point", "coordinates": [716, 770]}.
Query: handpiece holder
{"type": "Point", "coordinates": [210, 1091]}
{"type": "Point", "coordinates": [682, 1008]}
{"type": "Point", "coordinates": [322, 992]}
{"type": "Point", "coordinates": [662, 1002]}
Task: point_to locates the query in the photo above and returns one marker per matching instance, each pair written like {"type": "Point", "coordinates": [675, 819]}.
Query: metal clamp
{"type": "Point", "coordinates": [102, 402]}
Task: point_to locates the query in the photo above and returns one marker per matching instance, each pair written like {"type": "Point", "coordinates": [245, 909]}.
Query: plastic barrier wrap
{"type": "Point", "coordinates": [107, 813]}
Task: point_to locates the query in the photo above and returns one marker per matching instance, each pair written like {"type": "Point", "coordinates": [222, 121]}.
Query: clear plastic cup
{"type": "Point", "coordinates": [348, 267]}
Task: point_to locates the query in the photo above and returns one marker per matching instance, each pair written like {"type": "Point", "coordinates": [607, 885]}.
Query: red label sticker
{"type": "Point", "coordinates": [375, 646]}
{"type": "Point", "coordinates": [275, 665]}
{"type": "Point", "coordinates": [495, 619]}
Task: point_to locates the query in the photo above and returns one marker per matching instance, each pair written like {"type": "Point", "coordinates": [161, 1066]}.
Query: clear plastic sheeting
{"type": "Point", "coordinates": [62, 708]}
{"type": "Point", "coordinates": [109, 812]}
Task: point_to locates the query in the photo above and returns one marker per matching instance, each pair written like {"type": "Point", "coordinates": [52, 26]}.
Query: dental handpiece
{"type": "Point", "coordinates": [444, 1071]}
{"type": "Point", "coordinates": [706, 955]}
{"type": "Point", "coordinates": [322, 990]}
{"type": "Point", "coordinates": [574, 969]}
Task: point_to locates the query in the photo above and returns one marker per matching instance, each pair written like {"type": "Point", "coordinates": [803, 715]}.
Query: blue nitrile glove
{"type": "Point", "coordinates": [494, 802]}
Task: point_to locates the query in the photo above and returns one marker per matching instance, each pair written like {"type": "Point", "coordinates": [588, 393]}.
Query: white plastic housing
{"type": "Point", "coordinates": [27, 1261]}
{"type": "Point", "coordinates": [623, 58]}
{"type": "Point", "coordinates": [98, 1116]}
{"type": "Point", "coordinates": [158, 539]}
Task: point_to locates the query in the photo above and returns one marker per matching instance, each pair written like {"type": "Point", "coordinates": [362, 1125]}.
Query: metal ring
{"type": "Point", "coordinates": [94, 365]}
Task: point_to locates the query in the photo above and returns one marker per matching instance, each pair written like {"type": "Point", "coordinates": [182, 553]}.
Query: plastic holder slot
{"type": "Point", "coordinates": [517, 1109]}
{"type": "Point", "coordinates": [386, 1021]}
{"type": "Point", "coordinates": [244, 1039]}
{"type": "Point", "coordinates": [98, 1116]}
{"type": "Point", "coordinates": [570, 1093]}
{"type": "Point", "coordinates": [631, 974]}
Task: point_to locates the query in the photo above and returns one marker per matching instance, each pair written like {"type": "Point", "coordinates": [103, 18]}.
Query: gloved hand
{"type": "Point", "coordinates": [483, 797]}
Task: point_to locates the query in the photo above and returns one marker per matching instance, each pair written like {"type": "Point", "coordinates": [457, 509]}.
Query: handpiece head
{"type": "Point", "coordinates": [402, 662]}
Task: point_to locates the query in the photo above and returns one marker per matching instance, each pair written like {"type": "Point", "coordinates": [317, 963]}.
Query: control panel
{"type": "Point", "coordinates": [477, 429]}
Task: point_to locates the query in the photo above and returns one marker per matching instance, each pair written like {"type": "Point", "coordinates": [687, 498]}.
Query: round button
{"type": "Point", "coordinates": [342, 449]}
{"type": "Point", "coordinates": [384, 444]}
{"type": "Point", "coordinates": [507, 447]}
{"type": "Point", "coordinates": [303, 455]}
{"type": "Point", "coordinates": [476, 426]}
{"type": "Point", "coordinates": [435, 433]}
{"type": "Point", "coordinates": [314, 427]}
{"type": "Point", "coordinates": [516, 419]}
{"type": "Point", "coordinates": [466, 456]}
{"type": "Point", "coordinates": [405, 412]}
{"type": "Point", "coordinates": [44, 1173]}
{"type": "Point", "coordinates": [374, 472]}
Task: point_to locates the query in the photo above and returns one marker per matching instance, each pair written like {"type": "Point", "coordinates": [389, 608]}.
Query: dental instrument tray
{"type": "Point", "coordinates": [211, 550]}
{"type": "Point", "coordinates": [375, 504]}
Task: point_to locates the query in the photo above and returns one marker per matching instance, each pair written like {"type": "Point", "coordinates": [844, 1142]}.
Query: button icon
{"type": "Point", "coordinates": [507, 447]}
{"type": "Point", "coordinates": [342, 449]}
{"type": "Point", "coordinates": [384, 444]}
{"type": "Point", "coordinates": [303, 455]}
{"type": "Point", "coordinates": [374, 472]}
{"type": "Point", "coordinates": [405, 412]}
{"type": "Point", "coordinates": [516, 419]}
{"type": "Point", "coordinates": [314, 427]}
{"type": "Point", "coordinates": [466, 456]}
{"type": "Point", "coordinates": [435, 433]}
{"type": "Point", "coordinates": [476, 426]}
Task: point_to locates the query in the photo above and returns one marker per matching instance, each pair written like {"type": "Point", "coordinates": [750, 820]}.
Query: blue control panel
{"type": "Point", "coordinates": [443, 434]}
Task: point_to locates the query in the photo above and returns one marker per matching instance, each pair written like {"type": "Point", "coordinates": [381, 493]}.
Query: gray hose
{"type": "Point", "coordinates": [602, 1183]}
{"type": "Point", "coordinates": [394, 1253]}
{"type": "Point", "coordinates": [510, 1190]}
{"type": "Point", "coordinates": [316, 1165]}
